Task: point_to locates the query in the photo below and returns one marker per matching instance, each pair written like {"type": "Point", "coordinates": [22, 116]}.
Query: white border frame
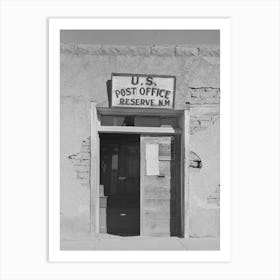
{"type": "Point", "coordinates": [55, 254]}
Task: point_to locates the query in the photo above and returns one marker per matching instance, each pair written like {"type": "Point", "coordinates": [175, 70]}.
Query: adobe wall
{"type": "Point", "coordinates": [85, 70]}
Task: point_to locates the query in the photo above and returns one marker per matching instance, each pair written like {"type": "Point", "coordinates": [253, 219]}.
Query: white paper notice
{"type": "Point", "coordinates": [152, 163]}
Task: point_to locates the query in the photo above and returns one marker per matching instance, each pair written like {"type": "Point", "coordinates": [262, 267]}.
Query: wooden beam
{"type": "Point", "coordinates": [139, 112]}
{"type": "Point", "coordinates": [139, 130]}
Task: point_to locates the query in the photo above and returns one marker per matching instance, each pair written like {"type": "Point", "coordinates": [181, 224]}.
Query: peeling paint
{"type": "Point", "coordinates": [81, 163]}
{"type": "Point", "coordinates": [214, 198]}
{"type": "Point", "coordinates": [198, 202]}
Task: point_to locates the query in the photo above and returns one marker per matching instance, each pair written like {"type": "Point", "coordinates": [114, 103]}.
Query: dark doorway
{"type": "Point", "coordinates": [120, 176]}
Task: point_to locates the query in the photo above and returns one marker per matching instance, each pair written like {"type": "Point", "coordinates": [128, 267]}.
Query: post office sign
{"type": "Point", "coordinates": [143, 91]}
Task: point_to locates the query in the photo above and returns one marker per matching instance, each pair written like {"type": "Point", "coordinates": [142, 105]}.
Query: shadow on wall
{"type": "Point", "coordinates": [109, 91]}
{"type": "Point", "coordinates": [195, 160]}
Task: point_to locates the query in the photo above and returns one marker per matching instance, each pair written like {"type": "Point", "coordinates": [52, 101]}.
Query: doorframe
{"type": "Point", "coordinates": [94, 170]}
{"type": "Point", "coordinates": [96, 128]}
{"type": "Point", "coordinates": [185, 160]}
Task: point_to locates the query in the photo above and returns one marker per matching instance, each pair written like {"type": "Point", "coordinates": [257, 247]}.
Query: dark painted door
{"type": "Point", "coordinates": [120, 175]}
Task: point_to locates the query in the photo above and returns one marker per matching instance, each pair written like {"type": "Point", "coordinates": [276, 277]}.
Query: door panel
{"type": "Point", "coordinates": [121, 179]}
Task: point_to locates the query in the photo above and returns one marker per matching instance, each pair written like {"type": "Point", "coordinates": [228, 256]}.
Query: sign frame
{"type": "Point", "coordinates": [141, 75]}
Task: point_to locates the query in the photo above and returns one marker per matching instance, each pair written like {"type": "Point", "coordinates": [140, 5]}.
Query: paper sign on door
{"type": "Point", "coordinates": [152, 162]}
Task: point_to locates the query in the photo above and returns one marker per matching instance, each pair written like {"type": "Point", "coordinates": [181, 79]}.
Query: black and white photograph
{"type": "Point", "coordinates": [140, 139]}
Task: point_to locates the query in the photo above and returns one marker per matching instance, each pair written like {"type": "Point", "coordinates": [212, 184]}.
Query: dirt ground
{"type": "Point", "coordinates": [111, 242]}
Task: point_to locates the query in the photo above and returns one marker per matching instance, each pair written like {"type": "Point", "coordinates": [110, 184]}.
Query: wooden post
{"type": "Point", "coordinates": [94, 171]}
{"type": "Point", "coordinates": [185, 152]}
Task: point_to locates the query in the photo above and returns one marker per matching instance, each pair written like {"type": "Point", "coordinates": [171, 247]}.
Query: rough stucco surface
{"type": "Point", "coordinates": [204, 182]}
{"type": "Point", "coordinates": [85, 70]}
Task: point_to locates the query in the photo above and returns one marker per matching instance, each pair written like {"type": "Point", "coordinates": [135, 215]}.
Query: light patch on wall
{"type": "Point", "coordinates": [198, 202]}
{"type": "Point", "coordinates": [214, 198]}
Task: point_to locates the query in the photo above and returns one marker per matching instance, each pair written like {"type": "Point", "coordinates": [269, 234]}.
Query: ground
{"type": "Point", "coordinates": [112, 242]}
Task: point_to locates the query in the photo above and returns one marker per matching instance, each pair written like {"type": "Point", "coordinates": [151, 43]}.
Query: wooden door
{"type": "Point", "coordinates": [120, 174]}
{"type": "Point", "coordinates": [161, 194]}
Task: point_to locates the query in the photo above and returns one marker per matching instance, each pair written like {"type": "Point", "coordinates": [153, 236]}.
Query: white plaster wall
{"type": "Point", "coordinates": [205, 181]}
{"type": "Point", "coordinates": [74, 191]}
{"type": "Point", "coordinates": [84, 73]}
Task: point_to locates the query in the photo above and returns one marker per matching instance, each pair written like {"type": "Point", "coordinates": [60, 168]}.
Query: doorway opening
{"type": "Point", "coordinates": [120, 177]}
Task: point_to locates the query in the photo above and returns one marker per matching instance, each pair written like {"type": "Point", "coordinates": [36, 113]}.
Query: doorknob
{"type": "Point", "coordinates": [122, 178]}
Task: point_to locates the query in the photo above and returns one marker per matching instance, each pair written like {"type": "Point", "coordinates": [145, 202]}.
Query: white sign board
{"type": "Point", "coordinates": [142, 91]}
{"type": "Point", "coordinates": [152, 161]}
